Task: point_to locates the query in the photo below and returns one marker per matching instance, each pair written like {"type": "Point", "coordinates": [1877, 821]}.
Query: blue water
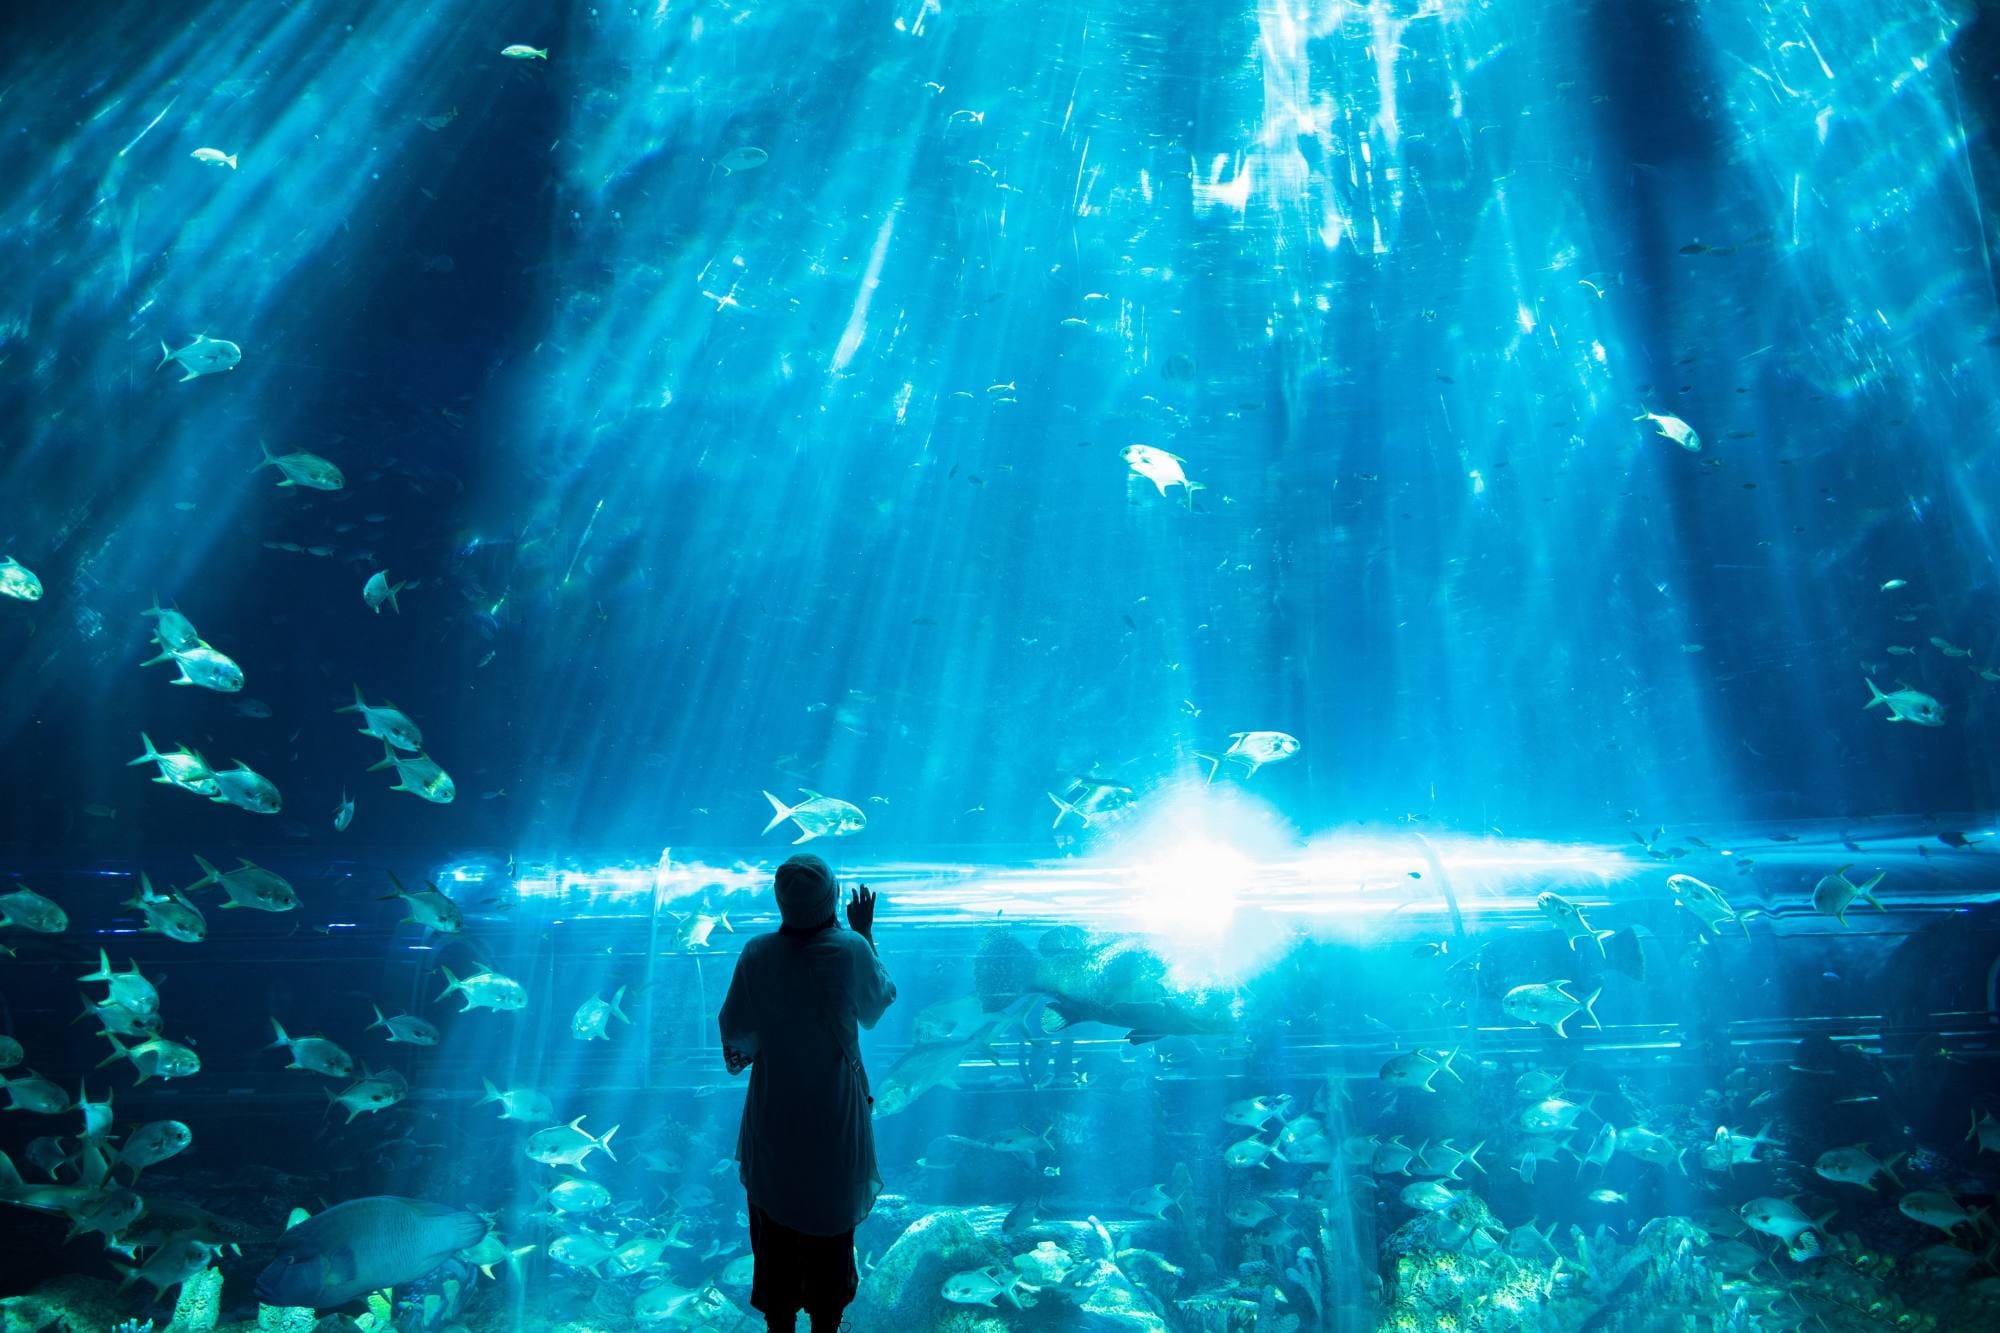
{"type": "Point", "coordinates": [1566, 413]}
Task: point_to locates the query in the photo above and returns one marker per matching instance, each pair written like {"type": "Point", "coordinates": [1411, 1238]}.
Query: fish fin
{"type": "Point", "coordinates": [1588, 1011]}
{"type": "Point", "coordinates": [604, 1143]}
{"type": "Point", "coordinates": [166, 355]}
{"type": "Point", "coordinates": [151, 756]}
{"type": "Point", "coordinates": [454, 984]}
{"type": "Point", "coordinates": [781, 812]}
{"type": "Point", "coordinates": [492, 1093]}
{"type": "Point", "coordinates": [282, 1040]}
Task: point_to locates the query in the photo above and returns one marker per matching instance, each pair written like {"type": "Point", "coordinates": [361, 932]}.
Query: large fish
{"type": "Point", "coordinates": [364, 1245]}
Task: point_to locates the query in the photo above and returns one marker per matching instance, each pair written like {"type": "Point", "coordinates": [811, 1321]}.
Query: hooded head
{"type": "Point", "coordinates": [806, 893]}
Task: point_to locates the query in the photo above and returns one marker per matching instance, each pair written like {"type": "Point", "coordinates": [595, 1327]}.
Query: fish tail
{"type": "Point", "coordinates": [492, 1093]}
{"type": "Point", "coordinates": [357, 706]}
{"type": "Point", "coordinates": [781, 812]}
{"type": "Point", "coordinates": [1214, 763]}
{"type": "Point", "coordinates": [454, 983]}
{"type": "Point", "coordinates": [282, 1040]}
{"type": "Point", "coordinates": [1867, 890]}
{"type": "Point", "coordinates": [150, 756]}
{"type": "Point", "coordinates": [1588, 1011]}
{"type": "Point", "coordinates": [209, 875]}
{"type": "Point", "coordinates": [615, 1000]}
{"type": "Point", "coordinates": [269, 460]}
{"type": "Point", "coordinates": [1875, 695]}
{"type": "Point", "coordinates": [380, 1022]}
{"type": "Point", "coordinates": [166, 355]}
{"type": "Point", "coordinates": [604, 1144]}
{"type": "Point", "coordinates": [1889, 1168]}
{"type": "Point", "coordinates": [1065, 808]}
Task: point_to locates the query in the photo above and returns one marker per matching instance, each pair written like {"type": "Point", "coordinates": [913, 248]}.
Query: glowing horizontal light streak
{"type": "Point", "coordinates": [1352, 875]}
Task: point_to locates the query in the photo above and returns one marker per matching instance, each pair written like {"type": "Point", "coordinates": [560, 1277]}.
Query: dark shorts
{"type": "Point", "coordinates": [796, 1272]}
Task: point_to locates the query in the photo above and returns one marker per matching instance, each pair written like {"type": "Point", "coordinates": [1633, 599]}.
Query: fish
{"type": "Point", "coordinates": [593, 1017]}
{"type": "Point", "coordinates": [171, 915]}
{"type": "Point", "coordinates": [302, 469]}
{"type": "Point", "coordinates": [343, 814]}
{"type": "Point", "coordinates": [407, 1029]}
{"type": "Point", "coordinates": [694, 930]}
{"type": "Point", "coordinates": [928, 1067]}
{"type": "Point", "coordinates": [387, 723]}
{"type": "Point", "coordinates": [580, 1196]}
{"type": "Point", "coordinates": [314, 1054]}
{"type": "Point", "coordinates": [370, 1093]}
{"type": "Point", "coordinates": [1606, 1196]}
{"type": "Point", "coordinates": [519, 1103]}
{"type": "Point", "coordinates": [184, 768]}
{"type": "Point", "coordinates": [170, 1265]}
{"type": "Point", "coordinates": [129, 990]}
{"type": "Point", "coordinates": [378, 590]}
{"type": "Point", "coordinates": [1984, 1127]}
{"type": "Point", "coordinates": [1551, 1115]}
{"type": "Point", "coordinates": [817, 816]}
{"type": "Point", "coordinates": [1159, 467]}
{"type": "Point", "coordinates": [1780, 1218]}
{"type": "Point", "coordinates": [569, 1145]}
{"type": "Point", "coordinates": [985, 1286]}
{"type": "Point", "coordinates": [171, 630]}
{"type": "Point", "coordinates": [427, 907]}
{"type": "Point", "coordinates": [12, 1053]}
{"type": "Point", "coordinates": [485, 989]}
{"type": "Point", "coordinates": [492, 1250]}
{"type": "Point", "coordinates": [214, 157]}
{"type": "Point", "coordinates": [364, 1245]}
{"type": "Point", "coordinates": [1673, 428]}
{"type": "Point", "coordinates": [418, 776]}
{"type": "Point", "coordinates": [740, 159]}
{"type": "Point", "coordinates": [153, 1143]}
{"type": "Point", "coordinates": [32, 1092]}
{"type": "Point", "coordinates": [18, 581]}
{"type": "Point", "coordinates": [1835, 892]}
{"type": "Point", "coordinates": [1856, 1166]}
{"type": "Point", "coordinates": [1892, 584]}
{"type": "Point", "coordinates": [203, 665]}
{"type": "Point", "coordinates": [1153, 1201]}
{"type": "Point", "coordinates": [1253, 749]}
{"type": "Point", "coordinates": [519, 51]}
{"type": "Point", "coordinates": [249, 885]}
{"type": "Point", "coordinates": [1567, 917]}
{"type": "Point", "coordinates": [1550, 1005]}
{"type": "Point", "coordinates": [1907, 705]}
{"type": "Point", "coordinates": [156, 1057]}
{"type": "Point", "coordinates": [203, 356]}
{"type": "Point", "coordinates": [1706, 904]}
{"type": "Point", "coordinates": [1257, 1112]}
{"type": "Point", "coordinates": [247, 789]}
{"type": "Point", "coordinates": [1935, 1208]}
{"type": "Point", "coordinates": [1089, 798]}
{"type": "Point", "coordinates": [27, 910]}
{"type": "Point", "coordinates": [1419, 1069]}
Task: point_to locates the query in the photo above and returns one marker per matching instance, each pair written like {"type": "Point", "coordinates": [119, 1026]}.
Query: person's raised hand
{"type": "Point", "coordinates": [861, 912]}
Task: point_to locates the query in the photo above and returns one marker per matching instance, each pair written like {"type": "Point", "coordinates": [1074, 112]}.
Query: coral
{"type": "Point", "coordinates": [132, 1326]}
{"type": "Point", "coordinates": [286, 1319]}
{"type": "Point", "coordinates": [199, 1304]}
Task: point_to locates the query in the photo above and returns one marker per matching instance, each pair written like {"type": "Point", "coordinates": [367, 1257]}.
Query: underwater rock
{"type": "Point", "coordinates": [334, 1323]}
{"type": "Point", "coordinates": [903, 1290]}
{"type": "Point", "coordinates": [1116, 1308]}
{"type": "Point", "coordinates": [27, 1314]}
{"type": "Point", "coordinates": [200, 1303]}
